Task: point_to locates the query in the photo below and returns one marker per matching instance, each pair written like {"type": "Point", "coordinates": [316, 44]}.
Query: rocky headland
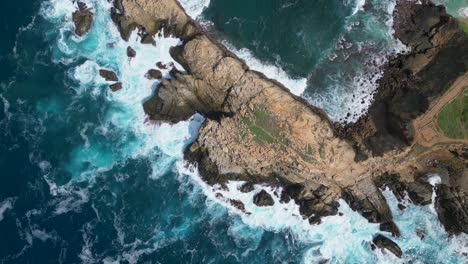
{"type": "Point", "coordinates": [258, 132]}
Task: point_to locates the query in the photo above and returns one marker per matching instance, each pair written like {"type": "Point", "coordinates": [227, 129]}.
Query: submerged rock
{"type": "Point", "coordinates": [109, 76]}
{"type": "Point", "coordinates": [263, 199]}
{"type": "Point", "coordinates": [83, 19]}
{"type": "Point", "coordinates": [385, 243]}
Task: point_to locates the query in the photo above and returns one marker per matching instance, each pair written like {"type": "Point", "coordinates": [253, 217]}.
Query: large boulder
{"type": "Point", "coordinates": [153, 74]}
{"type": "Point", "coordinates": [109, 76]}
{"type": "Point", "coordinates": [83, 19]}
{"type": "Point", "coordinates": [383, 242]}
{"type": "Point", "coordinates": [263, 199]}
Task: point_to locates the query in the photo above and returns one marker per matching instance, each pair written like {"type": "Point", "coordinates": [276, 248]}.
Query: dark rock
{"type": "Point", "coordinates": [291, 191]}
{"type": "Point", "coordinates": [82, 18]}
{"type": "Point", "coordinates": [383, 242]}
{"type": "Point", "coordinates": [116, 86]}
{"type": "Point", "coordinates": [238, 204]}
{"type": "Point", "coordinates": [109, 76]}
{"type": "Point", "coordinates": [419, 191]}
{"type": "Point", "coordinates": [247, 187]}
{"type": "Point", "coordinates": [401, 206]}
{"type": "Point", "coordinates": [153, 74]}
{"type": "Point", "coordinates": [390, 227]}
{"type": "Point", "coordinates": [161, 65]}
{"type": "Point", "coordinates": [131, 53]}
{"type": "Point", "coordinates": [263, 199]}
{"type": "Point", "coordinates": [452, 208]}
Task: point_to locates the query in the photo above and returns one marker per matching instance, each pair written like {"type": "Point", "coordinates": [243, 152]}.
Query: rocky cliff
{"type": "Point", "coordinates": [257, 131]}
{"type": "Point", "coordinates": [414, 81]}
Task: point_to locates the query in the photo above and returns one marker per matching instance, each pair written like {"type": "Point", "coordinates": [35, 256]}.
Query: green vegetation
{"type": "Point", "coordinates": [463, 24]}
{"type": "Point", "coordinates": [453, 118]}
{"type": "Point", "coordinates": [265, 130]}
{"type": "Point", "coordinates": [264, 127]}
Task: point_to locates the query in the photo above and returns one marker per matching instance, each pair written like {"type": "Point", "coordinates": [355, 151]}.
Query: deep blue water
{"type": "Point", "coordinates": [84, 179]}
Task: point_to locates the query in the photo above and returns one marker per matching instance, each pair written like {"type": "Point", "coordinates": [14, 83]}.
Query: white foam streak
{"type": "Point", "coordinates": [194, 8]}
{"type": "Point", "coordinates": [6, 205]}
{"type": "Point", "coordinates": [296, 86]}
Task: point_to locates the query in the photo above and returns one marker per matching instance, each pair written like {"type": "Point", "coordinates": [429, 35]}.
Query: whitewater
{"type": "Point", "coordinates": [119, 145]}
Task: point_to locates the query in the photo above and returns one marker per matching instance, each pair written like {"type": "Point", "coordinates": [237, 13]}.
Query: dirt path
{"type": "Point", "coordinates": [425, 126]}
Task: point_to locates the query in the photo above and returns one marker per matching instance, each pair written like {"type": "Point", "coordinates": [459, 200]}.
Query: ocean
{"type": "Point", "coordinates": [85, 178]}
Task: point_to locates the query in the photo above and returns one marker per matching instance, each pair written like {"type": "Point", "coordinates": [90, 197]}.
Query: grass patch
{"type": "Point", "coordinates": [463, 22]}
{"type": "Point", "coordinates": [453, 118]}
{"type": "Point", "coordinates": [263, 127]}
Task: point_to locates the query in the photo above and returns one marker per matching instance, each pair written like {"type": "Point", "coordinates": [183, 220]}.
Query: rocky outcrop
{"type": "Point", "coordinates": [115, 87]}
{"type": "Point", "coordinates": [152, 16]}
{"type": "Point", "coordinates": [385, 243]}
{"type": "Point", "coordinates": [411, 82]}
{"type": "Point", "coordinates": [131, 53]}
{"type": "Point", "coordinates": [82, 18]}
{"type": "Point", "coordinates": [258, 132]}
{"type": "Point", "coordinates": [109, 76]}
{"type": "Point", "coordinates": [153, 74]}
{"type": "Point", "coordinates": [263, 199]}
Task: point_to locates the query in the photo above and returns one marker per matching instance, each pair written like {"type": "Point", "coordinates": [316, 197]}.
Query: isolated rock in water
{"type": "Point", "coordinates": [83, 18]}
{"type": "Point", "coordinates": [238, 204]}
{"type": "Point", "coordinates": [386, 243]}
{"type": "Point", "coordinates": [109, 76]}
{"type": "Point", "coordinates": [153, 74]}
{"type": "Point", "coordinates": [131, 53]}
{"type": "Point", "coordinates": [390, 227]}
{"type": "Point", "coordinates": [116, 86]}
{"type": "Point", "coordinates": [263, 199]}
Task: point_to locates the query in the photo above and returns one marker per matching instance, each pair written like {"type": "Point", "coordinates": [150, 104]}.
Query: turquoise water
{"type": "Point", "coordinates": [86, 179]}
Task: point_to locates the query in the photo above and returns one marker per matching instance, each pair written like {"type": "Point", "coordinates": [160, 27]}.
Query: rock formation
{"type": "Point", "coordinates": [257, 131]}
{"type": "Point", "coordinates": [116, 86]}
{"type": "Point", "coordinates": [131, 53]}
{"type": "Point", "coordinates": [82, 18]}
{"type": "Point", "coordinates": [109, 76]}
{"type": "Point", "coordinates": [411, 82]}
